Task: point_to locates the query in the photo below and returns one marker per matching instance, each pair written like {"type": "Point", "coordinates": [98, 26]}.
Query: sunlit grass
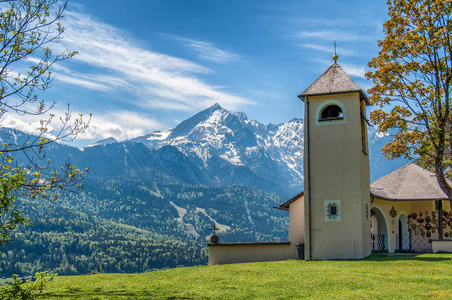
{"type": "Point", "coordinates": [426, 276]}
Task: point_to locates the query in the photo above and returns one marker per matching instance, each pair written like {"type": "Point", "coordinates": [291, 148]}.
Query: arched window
{"type": "Point", "coordinates": [331, 112]}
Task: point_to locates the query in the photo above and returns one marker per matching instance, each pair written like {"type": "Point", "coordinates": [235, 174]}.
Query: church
{"type": "Point", "coordinates": [340, 214]}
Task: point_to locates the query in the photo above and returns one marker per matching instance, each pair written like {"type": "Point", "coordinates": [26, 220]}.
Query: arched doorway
{"type": "Point", "coordinates": [379, 230]}
{"type": "Point", "coordinates": [403, 236]}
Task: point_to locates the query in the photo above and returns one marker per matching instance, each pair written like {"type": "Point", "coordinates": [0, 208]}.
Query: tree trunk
{"type": "Point", "coordinates": [439, 206]}
{"type": "Point", "coordinates": [446, 188]}
{"type": "Point", "coordinates": [444, 185]}
{"type": "Point", "coordinates": [448, 191]}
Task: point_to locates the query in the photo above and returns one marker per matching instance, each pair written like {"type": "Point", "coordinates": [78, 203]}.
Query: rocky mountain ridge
{"type": "Point", "coordinates": [273, 151]}
{"type": "Point", "coordinates": [217, 166]}
{"type": "Point", "coordinates": [215, 134]}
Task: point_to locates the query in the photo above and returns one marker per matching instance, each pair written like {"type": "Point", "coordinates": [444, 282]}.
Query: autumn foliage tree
{"type": "Point", "coordinates": [28, 29]}
{"type": "Point", "coordinates": [412, 76]}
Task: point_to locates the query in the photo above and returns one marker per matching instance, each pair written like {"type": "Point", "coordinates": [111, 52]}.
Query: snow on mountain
{"type": "Point", "coordinates": [103, 142]}
{"type": "Point", "coordinates": [273, 152]}
{"type": "Point", "coordinates": [379, 165]}
{"type": "Point", "coordinates": [221, 141]}
{"type": "Point", "coordinates": [157, 135]}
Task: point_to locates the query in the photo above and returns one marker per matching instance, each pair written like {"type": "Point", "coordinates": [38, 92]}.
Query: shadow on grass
{"type": "Point", "coordinates": [410, 256]}
{"type": "Point", "coordinates": [95, 294]}
{"type": "Point", "coordinates": [73, 290]}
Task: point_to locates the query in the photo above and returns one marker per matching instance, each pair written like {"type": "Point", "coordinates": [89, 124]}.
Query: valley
{"type": "Point", "coordinates": [148, 203]}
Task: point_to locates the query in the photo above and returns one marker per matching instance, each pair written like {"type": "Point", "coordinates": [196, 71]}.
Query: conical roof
{"type": "Point", "coordinates": [333, 81]}
{"type": "Point", "coordinates": [408, 183]}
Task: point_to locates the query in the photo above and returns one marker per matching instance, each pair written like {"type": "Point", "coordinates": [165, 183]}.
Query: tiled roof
{"type": "Point", "coordinates": [249, 244]}
{"type": "Point", "coordinates": [409, 182]}
{"type": "Point", "coordinates": [285, 205]}
{"type": "Point", "coordinates": [333, 81]}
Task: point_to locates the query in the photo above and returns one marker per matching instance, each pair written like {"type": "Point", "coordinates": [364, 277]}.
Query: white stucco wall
{"type": "Point", "coordinates": [338, 170]}
{"type": "Point", "coordinates": [441, 246]}
{"type": "Point", "coordinates": [296, 221]}
{"type": "Point", "coordinates": [250, 252]}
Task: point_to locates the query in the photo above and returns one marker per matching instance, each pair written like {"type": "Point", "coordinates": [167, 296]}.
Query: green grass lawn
{"type": "Point", "coordinates": [426, 276]}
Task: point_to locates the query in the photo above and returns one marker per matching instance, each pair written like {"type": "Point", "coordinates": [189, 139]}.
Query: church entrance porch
{"type": "Point", "coordinates": [412, 203]}
{"type": "Point", "coordinates": [378, 231]}
{"type": "Point", "coordinates": [408, 226]}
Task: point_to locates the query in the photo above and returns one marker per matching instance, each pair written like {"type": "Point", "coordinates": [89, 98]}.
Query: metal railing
{"type": "Point", "coordinates": [403, 242]}
{"type": "Point", "coordinates": [378, 241]}
{"type": "Point", "coordinates": [414, 243]}
{"type": "Point", "coordinates": [420, 243]}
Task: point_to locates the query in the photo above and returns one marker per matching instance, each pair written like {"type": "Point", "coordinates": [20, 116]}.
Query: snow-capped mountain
{"type": "Point", "coordinates": [378, 164]}
{"type": "Point", "coordinates": [216, 137]}
{"type": "Point", "coordinates": [103, 142]}
{"type": "Point", "coordinates": [215, 148]}
{"type": "Point", "coordinates": [222, 143]}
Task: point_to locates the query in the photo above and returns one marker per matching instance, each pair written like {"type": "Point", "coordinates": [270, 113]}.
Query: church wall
{"type": "Point", "coordinates": [335, 149]}
{"type": "Point", "coordinates": [250, 252]}
{"type": "Point", "coordinates": [365, 186]}
{"type": "Point", "coordinates": [419, 242]}
{"type": "Point", "coordinates": [391, 223]}
{"type": "Point", "coordinates": [296, 222]}
{"type": "Point", "coordinates": [441, 246]}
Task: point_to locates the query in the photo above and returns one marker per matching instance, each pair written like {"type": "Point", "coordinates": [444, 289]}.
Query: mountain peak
{"type": "Point", "coordinates": [216, 106]}
{"type": "Point", "coordinates": [242, 116]}
{"type": "Point", "coordinates": [107, 141]}
{"type": "Point", "coordinates": [186, 126]}
{"type": "Point", "coordinates": [103, 142]}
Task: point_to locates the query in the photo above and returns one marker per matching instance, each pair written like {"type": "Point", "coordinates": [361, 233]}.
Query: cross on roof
{"type": "Point", "coordinates": [335, 57]}
{"type": "Point", "coordinates": [214, 229]}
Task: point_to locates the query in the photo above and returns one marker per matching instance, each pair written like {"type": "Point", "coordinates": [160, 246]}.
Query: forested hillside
{"type": "Point", "coordinates": [149, 202]}
{"type": "Point", "coordinates": [68, 242]}
{"type": "Point", "coordinates": [119, 228]}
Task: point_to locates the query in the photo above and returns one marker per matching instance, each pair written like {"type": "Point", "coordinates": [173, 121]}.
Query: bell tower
{"type": "Point", "coordinates": [336, 168]}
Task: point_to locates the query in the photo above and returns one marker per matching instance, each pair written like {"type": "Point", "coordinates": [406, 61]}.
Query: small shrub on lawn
{"type": "Point", "coordinates": [20, 290]}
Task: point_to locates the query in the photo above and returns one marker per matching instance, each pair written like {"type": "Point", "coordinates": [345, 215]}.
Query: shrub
{"type": "Point", "coordinates": [19, 289]}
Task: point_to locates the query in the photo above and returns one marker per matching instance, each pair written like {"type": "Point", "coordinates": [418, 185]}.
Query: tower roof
{"type": "Point", "coordinates": [333, 81]}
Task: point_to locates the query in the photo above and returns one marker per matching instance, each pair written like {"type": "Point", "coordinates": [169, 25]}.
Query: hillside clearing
{"type": "Point", "coordinates": [426, 276]}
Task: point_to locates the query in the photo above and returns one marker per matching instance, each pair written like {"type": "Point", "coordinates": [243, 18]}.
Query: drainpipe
{"type": "Point", "coordinates": [308, 179]}
{"type": "Point", "coordinates": [309, 184]}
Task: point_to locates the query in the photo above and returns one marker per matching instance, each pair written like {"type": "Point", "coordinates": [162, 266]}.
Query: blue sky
{"type": "Point", "coordinates": [146, 65]}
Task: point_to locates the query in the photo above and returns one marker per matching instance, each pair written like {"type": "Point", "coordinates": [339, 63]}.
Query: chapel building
{"type": "Point", "coordinates": [340, 215]}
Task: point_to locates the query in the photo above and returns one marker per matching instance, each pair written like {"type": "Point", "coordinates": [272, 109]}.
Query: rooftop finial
{"type": "Point", "coordinates": [335, 57]}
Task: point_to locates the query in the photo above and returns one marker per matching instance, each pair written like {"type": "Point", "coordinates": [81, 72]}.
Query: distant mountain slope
{"type": "Point", "coordinates": [215, 148]}
{"type": "Point", "coordinates": [232, 149]}
{"type": "Point", "coordinates": [68, 242]}
{"type": "Point", "coordinates": [130, 226]}
{"type": "Point", "coordinates": [216, 138]}
{"type": "Point", "coordinates": [217, 167]}
{"type": "Point", "coordinates": [378, 164]}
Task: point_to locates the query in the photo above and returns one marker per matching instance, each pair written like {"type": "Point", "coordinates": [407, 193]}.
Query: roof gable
{"type": "Point", "coordinates": [286, 205]}
{"type": "Point", "coordinates": [333, 81]}
{"type": "Point", "coordinates": [409, 182]}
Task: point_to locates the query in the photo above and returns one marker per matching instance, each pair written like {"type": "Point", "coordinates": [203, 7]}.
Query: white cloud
{"type": "Point", "coordinates": [329, 49]}
{"type": "Point", "coordinates": [330, 35]}
{"type": "Point", "coordinates": [20, 123]}
{"type": "Point", "coordinates": [121, 125]}
{"type": "Point", "coordinates": [83, 80]}
{"type": "Point", "coordinates": [209, 51]}
{"type": "Point", "coordinates": [157, 80]}
{"type": "Point", "coordinates": [29, 123]}
{"type": "Point", "coordinates": [351, 70]}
